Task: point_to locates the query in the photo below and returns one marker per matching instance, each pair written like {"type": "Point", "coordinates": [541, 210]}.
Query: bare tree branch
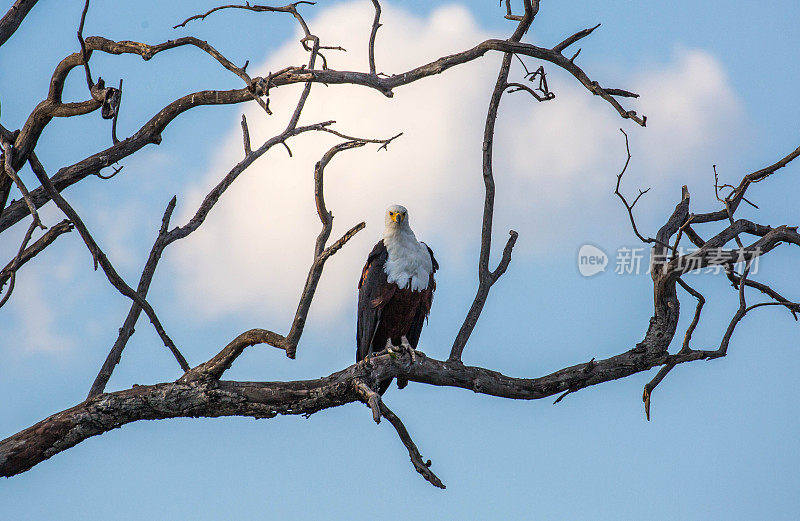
{"type": "Point", "coordinates": [195, 396]}
{"type": "Point", "coordinates": [685, 349]}
{"type": "Point", "coordinates": [151, 131]}
{"type": "Point", "coordinates": [736, 279]}
{"type": "Point", "coordinates": [34, 249]}
{"type": "Point", "coordinates": [14, 17]}
{"type": "Point", "coordinates": [16, 262]}
{"type": "Point", "coordinates": [421, 466]}
{"type": "Point", "coordinates": [84, 53]}
{"type": "Point", "coordinates": [737, 196]}
{"type": "Point", "coordinates": [371, 398]}
{"type": "Point", "coordinates": [290, 8]}
{"type": "Point", "coordinates": [574, 38]}
{"type": "Point", "coordinates": [629, 207]}
{"type": "Point", "coordinates": [315, 272]}
{"type": "Point", "coordinates": [485, 277]}
{"type": "Point", "coordinates": [101, 259]}
{"type": "Point", "coordinates": [376, 24]}
{"type": "Point", "coordinates": [246, 137]}
{"type": "Point", "coordinates": [8, 154]}
{"type": "Point", "coordinates": [126, 331]}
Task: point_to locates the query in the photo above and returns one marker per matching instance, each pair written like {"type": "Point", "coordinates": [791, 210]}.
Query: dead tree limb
{"type": "Point", "coordinates": [200, 392]}
{"type": "Point", "coordinates": [14, 17]}
{"type": "Point", "coordinates": [486, 278]}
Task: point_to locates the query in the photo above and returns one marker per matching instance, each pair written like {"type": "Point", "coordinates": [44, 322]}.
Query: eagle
{"type": "Point", "coordinates": [395, 291]}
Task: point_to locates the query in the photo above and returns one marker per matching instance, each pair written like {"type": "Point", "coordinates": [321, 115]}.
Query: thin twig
{"type": "Point", "coordinates": [696, 318]}
{"type": "Point", "coordinates": [629, 207]}
{"type": "Point", "coordinates": [291, 8]}
{"type": "Point", "coordinates": [34, 249]}
{"type": "Point", "coordinates": [84, 53]}
{"type": "Point", "coordinates": [116, 114]}
{"type": "Point", "coordinates": [421, 466]}
{"type": "Point", "coordinates": [246, 136]}
{"type": "Point", "coordinates": [16, 263]}
{"type": "Point", "coordinates": [763, 288]}
{"type": "Point", "coordinates": [8, 154]}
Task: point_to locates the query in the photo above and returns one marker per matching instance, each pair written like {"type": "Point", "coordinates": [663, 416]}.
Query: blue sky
{"type": "Point", "coordinates": [718, 83]}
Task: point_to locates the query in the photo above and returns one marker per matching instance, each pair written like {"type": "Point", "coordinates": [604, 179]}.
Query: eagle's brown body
{"type": "Point", "coordinates": [386, 311]}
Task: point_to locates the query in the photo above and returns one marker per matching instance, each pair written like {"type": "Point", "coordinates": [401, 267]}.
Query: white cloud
{"type": "Point", "coordinates": [691, 109]}
{"type": "Point", "coordinates": [253, 252]}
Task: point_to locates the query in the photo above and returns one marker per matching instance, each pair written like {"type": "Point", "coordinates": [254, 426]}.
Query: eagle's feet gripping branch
{"type": "Point", "coordinates": [404, 348]}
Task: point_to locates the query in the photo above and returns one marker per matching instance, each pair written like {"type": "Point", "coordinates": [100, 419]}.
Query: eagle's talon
{"type": "Point", "coordinates": [406, 347]}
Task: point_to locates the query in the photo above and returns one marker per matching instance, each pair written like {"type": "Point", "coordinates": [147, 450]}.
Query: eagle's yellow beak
{"type": "Point", "coordinates": [397, 217]}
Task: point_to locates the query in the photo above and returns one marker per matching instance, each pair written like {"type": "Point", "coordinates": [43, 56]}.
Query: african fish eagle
{"type": "Point", "coordinates": [395, 291]}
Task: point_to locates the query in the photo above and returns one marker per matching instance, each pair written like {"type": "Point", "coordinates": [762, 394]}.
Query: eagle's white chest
{"type": "Point", "coordinates": [409, 262]}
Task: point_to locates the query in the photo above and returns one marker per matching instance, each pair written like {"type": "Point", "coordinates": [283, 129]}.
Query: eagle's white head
{"type": "Point", "coordinates": [396, 218]}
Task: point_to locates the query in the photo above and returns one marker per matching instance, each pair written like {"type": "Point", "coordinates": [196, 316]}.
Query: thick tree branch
{"type": "Point", "coordinates": [214, 368]}
{"type": "Point", "coordinates": [196, 396]}
{"type": "Point", "coordinates": [14, 17]}
{"type": "Point", "coordinates": [371, 398]}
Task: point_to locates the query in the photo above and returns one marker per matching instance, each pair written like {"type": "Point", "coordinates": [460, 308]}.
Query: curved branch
{"type": "Point", "coordinates": [320, 253]}
{"type": "Point", "coordinates": [486, 278]}
{"type": "Point", "coordinates": [291, 8]}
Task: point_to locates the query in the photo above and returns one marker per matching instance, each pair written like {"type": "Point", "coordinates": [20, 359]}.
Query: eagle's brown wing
{"type": "Point", "coordinates": [371, 286]}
